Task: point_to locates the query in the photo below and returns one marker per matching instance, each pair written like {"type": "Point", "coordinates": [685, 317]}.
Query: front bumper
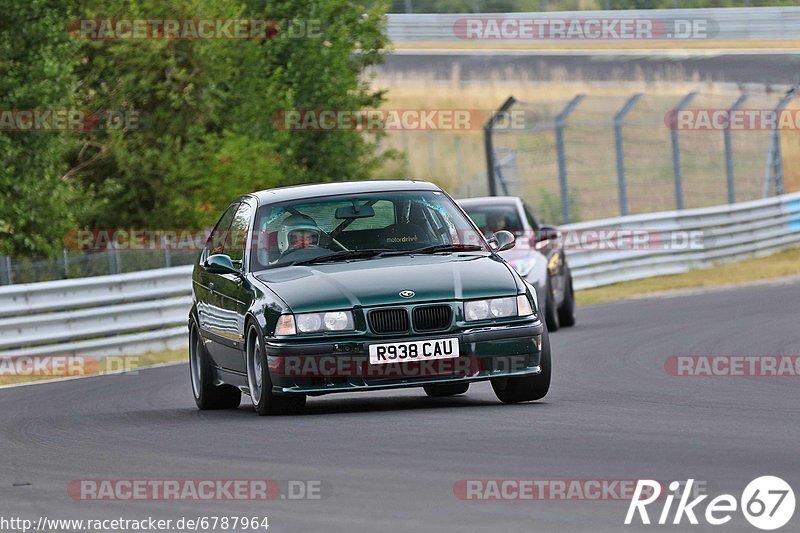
{"type": "Point", "coordinates": [342, 365]}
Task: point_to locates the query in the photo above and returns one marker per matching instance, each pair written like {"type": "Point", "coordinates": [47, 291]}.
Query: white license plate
{"type": "Point", "coordinates": [402, 352]}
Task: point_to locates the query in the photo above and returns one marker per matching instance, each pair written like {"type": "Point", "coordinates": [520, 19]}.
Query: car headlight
{"type": "Point", "coordinates": [523, 266]}
{"type": "Point", "coordinates": [497, 308]}
{"type": "Point", "coordinates": [314, 322]}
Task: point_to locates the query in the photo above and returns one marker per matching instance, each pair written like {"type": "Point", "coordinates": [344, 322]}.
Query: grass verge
{"type": "Point", "coordinates": [42, 368]}
{"type": "Point", "coordinates": [781, 264]}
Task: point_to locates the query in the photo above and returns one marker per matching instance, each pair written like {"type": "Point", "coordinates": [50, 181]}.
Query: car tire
{"type": "Point", "coordinates": [446, 389]}
{"type": "Point", "coordinates": [260, 384]}
{"type": "Point", "coordinates": [206, 394]}
{"type": "Point", "coordinates": [566, 313]}
{"type": "Point", "coordinates": [527, 388]}
{"type": "Point", "coordinates": [550, 309]}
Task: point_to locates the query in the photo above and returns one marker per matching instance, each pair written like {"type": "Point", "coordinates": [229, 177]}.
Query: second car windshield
{"type": "Point", "coordinates": [345, 226]}
{"type": "Point", "coordinates": [493, 218]}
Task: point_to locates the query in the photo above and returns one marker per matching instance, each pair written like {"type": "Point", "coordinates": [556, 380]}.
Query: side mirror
{"type": "Point", "coordinates": [220, 264]}
{"type": "Point", "coordinates": [502, 240]}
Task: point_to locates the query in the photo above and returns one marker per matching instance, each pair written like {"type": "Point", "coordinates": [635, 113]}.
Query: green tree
{"type": "Point", "coordinates": [324, 70]}
{"type": "Point", "coordinates": [162, 173]}
{"type": "Point", "coordinates": [207, 107]}
{"type": "Point", "coordinates": [36, 204]}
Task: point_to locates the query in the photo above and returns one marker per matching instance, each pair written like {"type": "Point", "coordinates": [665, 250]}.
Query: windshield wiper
{"type": "Point", "coordinates": [385, 252]}
{"type": "Point", "coordinates": [436, 248]}
{"type": "Point", "coordinates": [343, 255]}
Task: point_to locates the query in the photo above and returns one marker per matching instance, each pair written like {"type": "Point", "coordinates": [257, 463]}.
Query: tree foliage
{"type": "Point", "coordinates": [207, 132]}
{"type": "Point", "coordinates": [205, 108]}
{"type": "Point", "coordinates": [36, 205]}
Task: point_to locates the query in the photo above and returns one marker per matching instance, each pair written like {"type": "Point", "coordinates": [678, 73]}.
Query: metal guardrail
{"type": "Point", "coordinates": [753, 23]}
{"type": "Point", "coordinates": [147, 311]}
{"type": "Point", "coordinates": [728, 233]}
{"type": "Point", "coordinates": [98, 316]}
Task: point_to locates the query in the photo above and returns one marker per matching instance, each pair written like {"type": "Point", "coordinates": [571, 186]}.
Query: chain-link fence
{"type": "Point", "coordinates": [78, 264]}
{"type": "Point", "coordinates": [591, 157]}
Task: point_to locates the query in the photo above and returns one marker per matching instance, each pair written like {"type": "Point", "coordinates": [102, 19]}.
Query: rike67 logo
{"type": "Point", "coordinates": [767, 502]}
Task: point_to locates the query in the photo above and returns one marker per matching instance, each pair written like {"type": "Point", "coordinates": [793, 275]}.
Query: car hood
{"type": "Point", "coordinates": [372, 282]}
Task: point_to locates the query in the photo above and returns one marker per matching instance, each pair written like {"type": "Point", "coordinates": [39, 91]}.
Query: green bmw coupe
{"type": "Point", "coordinates": [342, 287]}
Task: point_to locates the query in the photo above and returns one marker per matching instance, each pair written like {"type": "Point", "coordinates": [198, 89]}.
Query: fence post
{"type": "Point", "coordinates": [621, 186]}
{"type": "Point", "coordinates": [499, 164]}
{"type": "Point", "coordinates": [774, 171]}
{"type": "Point", "coordinates": [165, 242]}
{"type": "Point", "coordinates": [676, 149]}
{"type": "Point", "coordinates": [729, 149]}
{"type": "Point", "coordinates": [66, 263]}
{"type": "Point", "coordinates": [560, 122]}
{"type": "Point", "coordinates": [489, 147]}
{"type": "Point", "coordinates": [5, 269]}
{"type": "Point", "coordinates": [113, 258]}
{"type": "Point", "coordinates": [9, 271]}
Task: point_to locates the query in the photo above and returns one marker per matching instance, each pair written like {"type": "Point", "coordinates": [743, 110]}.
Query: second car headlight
{"type": "Point", "coordinates": [315, 322]}
{"type": "Point", "coordinates": [497, 308]}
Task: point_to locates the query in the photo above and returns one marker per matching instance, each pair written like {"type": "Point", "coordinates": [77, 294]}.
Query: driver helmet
{"type": "Point", "coordinates": [298, 231]}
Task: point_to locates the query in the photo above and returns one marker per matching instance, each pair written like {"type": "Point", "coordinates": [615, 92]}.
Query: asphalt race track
{"type": "Point", "coordinates": [388, 461]}
{"type": "Point", "coordinates": [760, 67]}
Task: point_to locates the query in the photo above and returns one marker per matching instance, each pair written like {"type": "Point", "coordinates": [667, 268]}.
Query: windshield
{"type": "Point", "coordinates": [360, 226]}
{"type": "Point", "coordinates": [493, 218]}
